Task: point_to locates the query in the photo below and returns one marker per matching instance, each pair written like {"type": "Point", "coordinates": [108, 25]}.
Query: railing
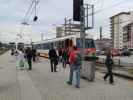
{"type": "Point", "coordinates": [117, 62]}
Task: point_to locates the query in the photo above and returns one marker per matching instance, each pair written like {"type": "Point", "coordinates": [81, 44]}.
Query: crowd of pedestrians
{"type": "Point", "coordinates": [65, 56]}
{"type": "Point", "coordinates": [72, 57]}
{"type": "Point", "coordinates": [24, 57]}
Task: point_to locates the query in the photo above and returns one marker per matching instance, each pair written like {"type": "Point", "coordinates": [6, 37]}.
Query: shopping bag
{"type": "Point", "coordinates": [21, 63]}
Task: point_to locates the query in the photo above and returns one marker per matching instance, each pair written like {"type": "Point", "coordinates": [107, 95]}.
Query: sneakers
{"type": "Point", "coordinates": [69, 83]}
{"type": "Point", "coordinates": [104, 79]}
{"type": "Point", "coordinates": [77, 86]}
{"type": "Point", "coordinates": [112, 83]}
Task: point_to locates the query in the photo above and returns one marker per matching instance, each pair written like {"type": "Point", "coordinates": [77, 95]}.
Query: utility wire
{"type": "Point", "coordinates": [29, 12]}
{"type": "Point", "coordinates": [29, 9]}
{"type": "Point", "coordinates": [106, 8]}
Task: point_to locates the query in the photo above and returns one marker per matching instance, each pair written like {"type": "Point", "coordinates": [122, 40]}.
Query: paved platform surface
{"type": "Point", "coordinates": [41, 84]}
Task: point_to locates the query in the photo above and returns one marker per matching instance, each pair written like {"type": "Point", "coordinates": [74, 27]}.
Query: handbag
{"type": "Point", "coordinates": [56, 61]}
{"type": "Point", "coordinates": [21, 63]}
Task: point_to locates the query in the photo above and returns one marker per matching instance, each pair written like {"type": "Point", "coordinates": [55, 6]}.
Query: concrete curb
{"type": "Point", "coordinates": [124, 76]}
{"type": "Point", "coordinates": [119, 74]}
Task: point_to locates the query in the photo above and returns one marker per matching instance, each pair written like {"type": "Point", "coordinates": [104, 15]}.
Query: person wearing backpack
{"type": "Point", "coordinates": [109, 63]}
{"type": "Point", "coordinates": [75, 64]}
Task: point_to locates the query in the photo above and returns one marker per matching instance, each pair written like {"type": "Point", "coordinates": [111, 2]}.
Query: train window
{"type": "Point", "coordinates": [89, 43]}
{"type": "Point", "coordinates": [78, 43]}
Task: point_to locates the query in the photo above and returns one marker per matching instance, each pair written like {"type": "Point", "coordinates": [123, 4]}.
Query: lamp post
{"type": "Point", "coordinates": [84, 23]}
{"type": "Point", "coordinates": [82, 28]}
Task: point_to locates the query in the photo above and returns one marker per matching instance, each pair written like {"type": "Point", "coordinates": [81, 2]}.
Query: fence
{"type": "Point", "coordinates": [117, 62]}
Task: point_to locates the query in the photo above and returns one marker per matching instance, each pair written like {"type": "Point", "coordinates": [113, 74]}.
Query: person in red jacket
{"type": "Point", "coordinates": [74, 66]}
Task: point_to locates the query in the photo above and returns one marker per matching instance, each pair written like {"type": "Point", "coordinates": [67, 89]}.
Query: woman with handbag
{"type": "Point", "coordinates": [21, 58]}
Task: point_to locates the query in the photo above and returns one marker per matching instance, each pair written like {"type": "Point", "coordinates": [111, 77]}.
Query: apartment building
{"type": "Point", "coordinates": [103, 44]}
{"type": "Point", "coordinates": [128, 35]}
{"type": "Point", "coordinates": [118, 21]}
{"type": "Point", "coordinates": [60, 32]}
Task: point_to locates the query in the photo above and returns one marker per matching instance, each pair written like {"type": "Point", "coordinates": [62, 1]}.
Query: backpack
{"type": "Point", "coordinates": [78, 59]}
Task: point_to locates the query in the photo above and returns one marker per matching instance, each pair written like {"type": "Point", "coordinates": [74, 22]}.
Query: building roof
{"type": "Point", "coordinates": [121, 13]}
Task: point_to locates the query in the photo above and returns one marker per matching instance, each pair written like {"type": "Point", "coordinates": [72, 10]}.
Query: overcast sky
{"type": "Point", "coordinates": [51, 13]}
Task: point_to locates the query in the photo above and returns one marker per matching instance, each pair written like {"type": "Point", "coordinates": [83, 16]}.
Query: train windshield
{"type": "Point", "coordinates": [89, 43]}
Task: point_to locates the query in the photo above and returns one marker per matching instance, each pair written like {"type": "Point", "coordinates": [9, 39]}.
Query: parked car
{"type": "Point", "coordinates": [125, 52]}
{"type": "Point", "coordinates": [115, 52]}
{"type": "Point", "coordinates": [97, 52]}
{"type": "Point", "coordinates": [102, 52]}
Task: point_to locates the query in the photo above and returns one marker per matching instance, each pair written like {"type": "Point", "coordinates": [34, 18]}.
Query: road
{"type": "Point", "coordinates": [41, 84]}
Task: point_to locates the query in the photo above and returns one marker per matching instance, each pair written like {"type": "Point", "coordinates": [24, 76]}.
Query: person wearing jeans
{"type": "Point", "coordinates": [74, 68]}
{"type": "Point", "coordinates": [77, 71]}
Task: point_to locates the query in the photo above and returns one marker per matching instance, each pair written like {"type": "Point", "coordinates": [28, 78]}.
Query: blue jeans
{"type": "Point", "coordinates": [77, 71]}
{"type": "Point", "coordinates": [60, 59]}
{"type": "Point", "coordinates": [71, 73]}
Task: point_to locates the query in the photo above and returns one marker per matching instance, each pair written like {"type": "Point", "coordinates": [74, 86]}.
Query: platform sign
{"type": "Point", "coordinates": [77, 9]}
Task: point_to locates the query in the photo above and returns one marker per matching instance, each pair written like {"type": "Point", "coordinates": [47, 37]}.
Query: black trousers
{"type": "Point", "coordinates": [109, 74]}
{"type": "Point", "coordinates": [30, 64]}
{"type": "Point", "coordinates": [53, 65]}
{"type": "Point", "coordinates": [34, 58]}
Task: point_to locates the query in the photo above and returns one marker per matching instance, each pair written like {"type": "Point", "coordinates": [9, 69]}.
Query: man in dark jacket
{"type": "Point", "coordinates": [53, 59]}
{"type": "Point", "coordinates": [60, 54]}
{"type": "Point", "coordinates": [109, 63]}
{"type": "Point", "coordinates": [34, 54]}
{"type": "Point", "coordinates": [29, 56]}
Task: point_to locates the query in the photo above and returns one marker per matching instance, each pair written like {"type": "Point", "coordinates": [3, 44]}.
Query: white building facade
{"type": "Point", "coordinates": [128, 36]}
{"type": "Point", "coordinates": [60, 32]}
{"type": "Point", "coordinates": [117, 23]}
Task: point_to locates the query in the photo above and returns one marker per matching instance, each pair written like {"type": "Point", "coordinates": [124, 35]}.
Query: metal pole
{"type": "Point", "coordinates": [82, 30]}
{"type": "Point", "coordinates": [100, 33]}
{"type": "Point", "coordinates": [65, 25]}
{"type": "Point", "coordinates": [35, 6]}
{"type": "Point", "coordinates": [92, 16]}
{"type": "Point", "coordinates": [87, 14]}
{"type": "Point", "coordinates": [70, 27]}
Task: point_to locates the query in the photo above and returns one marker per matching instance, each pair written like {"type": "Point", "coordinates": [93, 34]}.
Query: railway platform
{"type": "Point", "coordinates": [41, 84]}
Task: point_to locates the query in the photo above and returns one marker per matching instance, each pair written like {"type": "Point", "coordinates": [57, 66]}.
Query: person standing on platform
{"type": "Point", "coordinates": [60, 54]}
{"type": "Point", "coordinates": [34, 53]}
{"type": "Point", "coordinates": [12, 51]}
{"type": "Point", "coordinates": [29, 56]}
{"type": "Point", "coordinates": [109, 63]}
{"type": "Point", "coordinates": [75, 65]}
{"type": "Point", "coordinates": [53, 59]}
{"type": "Point", "coordinates": [21, 58]}
{"type": "Point", "coordinates": [64, 58]}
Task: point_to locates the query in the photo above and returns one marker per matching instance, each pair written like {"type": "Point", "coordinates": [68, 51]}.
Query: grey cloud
{"type": "Point", "coordinates": [52, 12]}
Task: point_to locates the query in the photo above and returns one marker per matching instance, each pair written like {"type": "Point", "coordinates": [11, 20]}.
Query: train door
{"type": "Point", "coordinates": [68, 43]}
